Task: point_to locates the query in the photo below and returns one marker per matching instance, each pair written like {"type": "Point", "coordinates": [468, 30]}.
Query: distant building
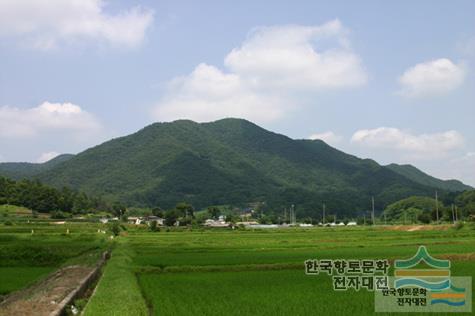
{"type": "Point", "coordinates": [149, 219]}
{"type": "Point", "coordinates": [216, 223]}
{"type": "Point", "coordinates": [134, 220]}
{"type": "Point", "coordinates": [263, 226]}
{"type": "Point", "coordinates": [247, 223]}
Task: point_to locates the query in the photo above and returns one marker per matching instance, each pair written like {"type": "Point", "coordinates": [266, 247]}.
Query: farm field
{"type": "Point", "coordinates": [26, 257]}
{"type": "Point", "coordinates": [261, 272]}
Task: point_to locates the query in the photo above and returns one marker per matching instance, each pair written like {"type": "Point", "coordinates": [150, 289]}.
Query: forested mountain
{"type": "Point", "coordinates": [418, 176]}
{"type": "Point", "coordinates": [21, 170]}
{"type": "Point", "coordinates": [230, 161]}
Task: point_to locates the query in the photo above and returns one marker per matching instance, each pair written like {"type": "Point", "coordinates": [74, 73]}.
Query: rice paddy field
{"type": "Point", "coordinates": [257, 272]}
{"type": "Point", "coordinates": [29, 251]}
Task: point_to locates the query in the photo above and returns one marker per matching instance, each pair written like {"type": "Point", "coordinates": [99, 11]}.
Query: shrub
{"type": "Point", "coordinates": [8, 223]}
{"type": "Point", "coordinates": [154, 227]}
{"type": "Point", "coordinates": [424, 218]}
{"type": "Point", "coordinates": [115, 228]}
{"type": "Point", "coordinates": [58, 215]}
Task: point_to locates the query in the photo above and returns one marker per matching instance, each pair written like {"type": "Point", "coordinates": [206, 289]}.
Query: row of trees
{"type": "Point", "coordinates": [42, 198]}
{"type": "Point", "coordinates": [424, 209]}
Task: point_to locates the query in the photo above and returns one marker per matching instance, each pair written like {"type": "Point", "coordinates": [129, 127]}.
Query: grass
{"type": "Point", "coordinates": [118, 292]}
{"type": "Point", "coordinates": [27, 257]}
{"type": "Point", "coordinates": [15, 278]}
{"type": "Point", "coordinates": [261, 272]}
{"type": "Point", "coordinates": [218, 272]}
{"type": "Point", "coordinates": [284, 292]}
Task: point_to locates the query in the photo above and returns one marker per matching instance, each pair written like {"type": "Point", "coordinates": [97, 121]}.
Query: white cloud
{"type": "Point", "coordinates": [49, 23]}
{"type": "Point", "coordinates": [208, 94]}
{"type": "Point", "coordinates": [422, 146]}
{"type": "Point", "coordinates": [435, 77]}
{"type": "Point", "coordinates": [328, 137]}
{"type": "Point", "coordinates": [44, 157]}
{"type": "Point", "coordinates": [264, 74]}
{"type": "Point", "coordinates": [289, 57]}
{"type": "Point", "coordinates": [46, 117]}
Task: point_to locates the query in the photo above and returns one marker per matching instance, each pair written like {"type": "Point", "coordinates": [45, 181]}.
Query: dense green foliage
{"type": "Point", "coordinates": [423, 209]}
{"type": "Point", "coordinates": [42, 198]}
{"type": "Point", "coordinates": [466, 203]}
{"type": "Point", "coordinates": [231, 162]}
{"type": "Point", "coordinates": [412, 207]}
{"type": "Point", "coordinates": [22, 170]}
{"type": "Point", "coordinates": [420, 177]}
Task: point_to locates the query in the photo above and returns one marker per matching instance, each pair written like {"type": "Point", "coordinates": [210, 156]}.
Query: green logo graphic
{"type": "Point", "coordinates": [427, 289]}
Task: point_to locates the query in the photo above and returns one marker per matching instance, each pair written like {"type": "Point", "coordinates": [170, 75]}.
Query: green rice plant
{"type": "Point", "coordinates": [118, 292]}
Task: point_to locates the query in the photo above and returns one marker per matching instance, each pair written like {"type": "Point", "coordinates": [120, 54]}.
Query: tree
{"type": "Point", "coordinates": [424, 218]}
{"type": "Point", "coordinates": [185, 209]}
{"type": "Point", "coordinates": [171, 217]}
{"type": "Point", "coordinates": [214, 212]}
{"type": "Point", "coordinates": [118, 209]}
{"type": "Point", "coordinates": [157, 211]}
{"type": "Point", "coordinates": [115, 228]}
{"type": "Point", "coordinates": [232, 218]}
{"type": "Point", "coordinates": [154, 226]}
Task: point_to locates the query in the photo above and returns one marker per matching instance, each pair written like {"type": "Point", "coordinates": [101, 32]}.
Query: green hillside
{"type": "Point", "coordinates": [418, 176]}
{"type": "Point", "coordinates": [21, 170]}
{"type": "Point", "coordinates": [230, 161]}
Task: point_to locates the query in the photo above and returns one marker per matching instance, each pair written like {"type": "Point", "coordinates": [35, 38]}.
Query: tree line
{"type": "Point", "coordinates": [38, 197]}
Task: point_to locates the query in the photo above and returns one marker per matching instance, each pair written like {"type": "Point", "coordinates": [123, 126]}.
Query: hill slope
{"type": "Point", "coordinates": [418, 176]}
{"type": "Point", "coordinates": [230, 161]}
{"type": "Point", "coordinates": [20, 170]}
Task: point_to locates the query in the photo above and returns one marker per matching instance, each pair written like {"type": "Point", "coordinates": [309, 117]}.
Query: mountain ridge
{"type": "Point", "coordinates": [421, 177]}
{"type": "Point", "coordinates": [230, 161]}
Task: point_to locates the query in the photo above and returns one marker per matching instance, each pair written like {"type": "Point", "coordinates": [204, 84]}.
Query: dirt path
{"type": "Point", "coordinates": [44, 298]}
{"type": "Point", "coordinates": [413, 228]}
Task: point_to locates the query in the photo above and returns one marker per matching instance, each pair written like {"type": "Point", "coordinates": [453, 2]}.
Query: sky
{"type": "Point", "coordinates": [389, 80]}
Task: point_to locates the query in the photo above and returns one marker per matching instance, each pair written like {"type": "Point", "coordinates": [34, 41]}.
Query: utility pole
{"type": "Point", "coordinates": [436, 208]}
{"type": "Point", "coordinates": [285, 215]}
{"type": "Point", "coordinates": [372, 213]}
{"type": "Point", "coordinates": [453, 214]}
{"type": "Point", "coordinates": [323, 221]}
{"type": "Point", "coordinates": [295, 215]}
{"type": "Point", "coordinates": [292, 214]}
{"type": "Point", "coordinates": [456, 215]}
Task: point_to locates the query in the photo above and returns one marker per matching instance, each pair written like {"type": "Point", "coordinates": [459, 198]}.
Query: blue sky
{"type": "Point", "coordinates": [393, 81]}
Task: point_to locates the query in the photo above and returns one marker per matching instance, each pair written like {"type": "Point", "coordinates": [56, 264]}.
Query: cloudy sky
{"type": "Point", "coordinates": [388, 80]}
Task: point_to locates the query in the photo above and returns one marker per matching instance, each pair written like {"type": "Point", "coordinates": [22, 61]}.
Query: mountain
{"type": "Point", "coordinates": [420, 177]}
{"type": "Point", "coordinates": [20, 170]}
{"type": "Point", "coordinates": [230, 161]}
